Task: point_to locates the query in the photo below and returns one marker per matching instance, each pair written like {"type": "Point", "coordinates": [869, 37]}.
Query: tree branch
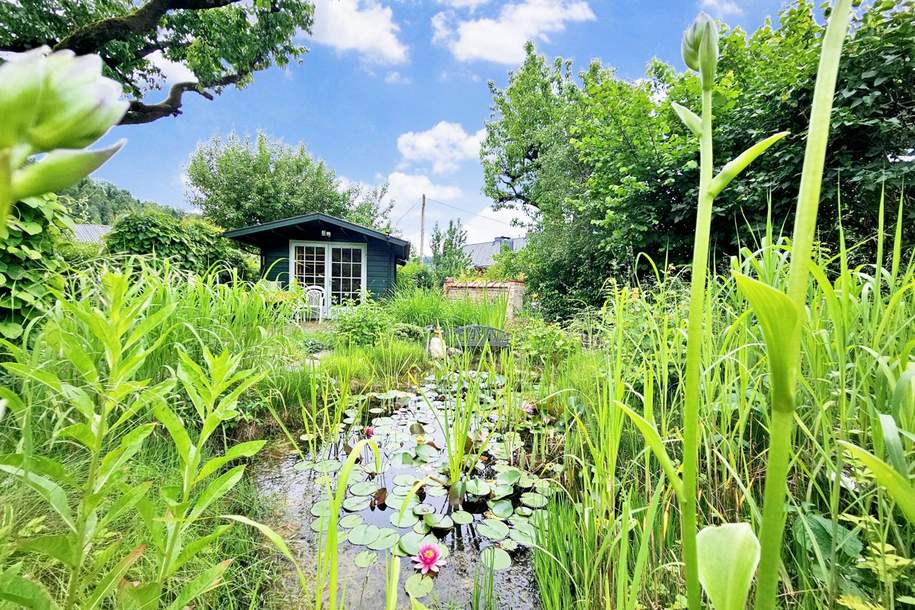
{"type": "Point", "coordinates": [91, 38]}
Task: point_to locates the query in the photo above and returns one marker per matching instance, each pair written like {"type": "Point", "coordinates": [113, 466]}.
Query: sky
{"type": "Point", "coordinates": [396, 91]}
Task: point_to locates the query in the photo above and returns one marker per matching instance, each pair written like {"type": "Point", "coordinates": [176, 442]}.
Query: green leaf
{"type": "Point", "coordinates": [728, 555]}
{"type": "Point", "coordinates": [53, 493]}
{"type": "Point", "coordinates": [495, 558]}
{"type": "Point", "coordinates": [273, 537]}
{"type": "Point", "coordinates": [23, 592]}
{"type": "Point", "coordinates": [176, 430]}
{"type": "Point", "coordinates": [217, 488]}
{"type": "Point", "coordinates": [418, 585]}
{"type": "Point", "coordinates": [654, 442]}
{"type": "Point", "coordinates": [898, 486]}
{"type": "Point", "coordinates": [242, 450]}
{"type": "Point", "coordinates": [200, 584]}
{"type": "Point", "coordinates": [689, 118]}
{"type": "Point", "coordinates": [59, 170]}
{"type": "Point", "coordinates": [108, 582]}
{"type": "Point", "coordinates": [733, 168]}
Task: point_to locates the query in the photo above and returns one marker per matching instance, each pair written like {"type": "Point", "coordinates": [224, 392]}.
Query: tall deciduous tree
{"type": "Point", "coordinates": [238, 182]}
{"type": "Point", "coordinates": [221, 42]}
{"type": "Point", "coordinates": [449, 258]}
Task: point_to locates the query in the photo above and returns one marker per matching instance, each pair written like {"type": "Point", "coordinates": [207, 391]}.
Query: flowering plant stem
{"type": "Point", "coordinates": [693, 344]}
{"type": "Point", "coordinates": [781, 426]}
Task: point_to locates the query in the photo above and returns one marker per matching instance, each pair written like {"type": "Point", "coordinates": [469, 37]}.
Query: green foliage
{"type": "Point", "coordinates": [414, 274]}
{"type": "Point", "coordinates": [364, 324]}
{"type": "Point", "coordinates": [428, 307]}
{"type": "Point", "coordinates": [191, 244]}
{"type": "Point", "coordinates": [237, 182]}
{"type": "Point", "coordinates": [607, 169]}
{"type": "Point", "coordinates": [544, 343]}
{"type": "Point", "coordinates": [403, 331]}
{"type": "Point", "coordinates": [221, 43]}
{"type": "Point", "coordinates": [99, 202]}
{"type": "Point", "coordinates": [449, 259]}
{"type": "Point", "coordinates": [507, 265]}
{"type": "Point", "coordinates": [29, 263]}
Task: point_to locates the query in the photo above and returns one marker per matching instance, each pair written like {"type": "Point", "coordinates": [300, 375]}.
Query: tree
{"type": "Point", "coordinates": [100, 202]}
{"type": "Point", "coordinates": [610, 172]}
{"type": "Point", "coordinates": [449, 259]}
{"type": "Point", "coordinates": [237, 183]}
{"type": "Point", "coordinates": [222, 42]}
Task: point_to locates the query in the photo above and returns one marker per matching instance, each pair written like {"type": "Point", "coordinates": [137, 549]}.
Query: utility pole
{"type": "Point", "coordinates": [422, 228]}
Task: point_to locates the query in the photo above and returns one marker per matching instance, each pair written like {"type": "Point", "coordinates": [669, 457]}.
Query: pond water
{"type": "Point", "coordinates": [491, 525]}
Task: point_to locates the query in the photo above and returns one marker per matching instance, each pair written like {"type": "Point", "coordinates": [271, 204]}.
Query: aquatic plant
{"type": "Point", "coordinates": [429, 558]}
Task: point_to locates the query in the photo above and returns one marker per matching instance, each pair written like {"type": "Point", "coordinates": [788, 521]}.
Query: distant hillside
{"type": "Point", "coordinates": [100, 202]}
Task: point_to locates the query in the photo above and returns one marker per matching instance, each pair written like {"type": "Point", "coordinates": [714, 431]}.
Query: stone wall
{"type": "Point", "coordinates": [512, 291]}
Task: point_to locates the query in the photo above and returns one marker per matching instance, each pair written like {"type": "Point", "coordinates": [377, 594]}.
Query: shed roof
{"type": "Point", "coordinates": [90, 234]}
{"type": "Point", "coordinates": [258, 234]}
{"type": "Point", "coordinates": [483, 254]}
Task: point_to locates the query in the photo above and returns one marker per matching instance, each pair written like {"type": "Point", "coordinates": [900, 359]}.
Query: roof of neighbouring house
{"type": "Point", "coordinates": [90, 234]}
{"type": "Point", "coordinates": [483, 254]}
{"type": "Point", "coordinates": [256, 233]}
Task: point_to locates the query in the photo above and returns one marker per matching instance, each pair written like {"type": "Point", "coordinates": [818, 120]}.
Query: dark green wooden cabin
{"type": "Point", "coordinates": [342, 257]}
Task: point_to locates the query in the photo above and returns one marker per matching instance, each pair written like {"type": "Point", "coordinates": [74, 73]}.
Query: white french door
{"type": "Point", "coordinates": [339, 268]}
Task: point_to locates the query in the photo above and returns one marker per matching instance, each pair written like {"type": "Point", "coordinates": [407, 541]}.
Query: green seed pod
{"type": "Point", "coordinates": [700, 48]}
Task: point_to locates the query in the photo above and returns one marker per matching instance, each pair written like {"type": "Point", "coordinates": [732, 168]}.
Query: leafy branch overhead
{"type": "Point", "coordinates": [220, 42]}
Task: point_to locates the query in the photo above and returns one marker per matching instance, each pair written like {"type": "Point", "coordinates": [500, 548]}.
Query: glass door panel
{"type": "Point", "coordinates": [346, 266]}
{"type": "Point", "coordinates": [310, 265]}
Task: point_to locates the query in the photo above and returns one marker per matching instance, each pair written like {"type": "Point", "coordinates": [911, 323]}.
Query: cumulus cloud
{"type": "Point", "coordinates": [464, 4]}
{"type": "Point", "coordinates": [172, 71]}
{"type": "Point", "coordinates": [396, 78]}
{"type": "Point", "coordinates": [445, 146]}
{"type": "Point", "coordinates": [365, 27]}
{"type": "Point", "coordinates": [501, 39]}
{"type": "Point", "coordinates": [722, 8]}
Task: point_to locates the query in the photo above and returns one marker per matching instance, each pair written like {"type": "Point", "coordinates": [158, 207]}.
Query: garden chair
{"type": "Point", "coordinates": [314, 302]}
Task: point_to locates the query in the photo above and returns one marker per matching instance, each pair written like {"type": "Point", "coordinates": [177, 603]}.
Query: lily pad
{"type": "Point", "coordinates": [523, 533]}
{"type": "Point", "coordinates": [365, 559]}
{"type": "Point", "coordinates": [524, 511]}
{"type": "Point", "coordinates": [354, 504]}
{"type": "Point", "coordinates": [493, 529]}
{"type": "Point", "coordinates": [410, 542]}
{"type": "Point", "coordinates": [405, 480]}
{"type": "Point", "coordinates": [501, 508]}
{"type": "Point", "coordinates": [426, 453]}
{"type": "Point", "coordinates": [363, 488]}
{"type": "Point", "coordinates": [478, 487]}
{"type": "Point", "coordinates": [423, 509]}
{"type": "Point", "coordinates": [461, 517]}
{"type": "Point", "coordinates": [320, 524]}
{"type": "Point", "coordinates": [501, 491]}
{"type": "Point", "coordinates": [386, 539]}
{"type": "Point", "coordinates": [321, 508]}
{"type": "Point", "coordinates": [418, 586]}
{"type": "Point", "coordinates": [533, 499]}
{"type": "Point", "coordinates": [439, 522]}
{"type": "Point", "coordinates": [350, 521]}
{"type": "Point", "coordinates": [509, 476]}
{"type": "Point", "coordinates": [495, 558]}
{"type": "Point", "coordinates": [405, 519]}
{"type": "Point", "coordinates": [328, 466]}
{"type": "Point", "coordinates": [363, 534]}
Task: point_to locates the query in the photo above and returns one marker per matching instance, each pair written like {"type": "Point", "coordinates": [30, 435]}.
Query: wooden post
{"type": "Point", "coordinates": [422, 228]}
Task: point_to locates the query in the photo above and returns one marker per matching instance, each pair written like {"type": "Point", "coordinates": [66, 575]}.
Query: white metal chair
{"type": "Point", "coordinates": [315, 301]}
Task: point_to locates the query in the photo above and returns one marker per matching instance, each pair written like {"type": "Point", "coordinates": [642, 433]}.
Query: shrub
{"type": "Point", "coordinates": [408, 332]}
{"type": "Point", "coordinates": [29, 264]}
{"type": "Point", "coordinates": [191, 244]}
{"type": "Point", "coordinates": [545, 343]}
{"type": "Point", "coordinates": [361, 325]}
{"type": "Point", "coordinates": [414, 275]}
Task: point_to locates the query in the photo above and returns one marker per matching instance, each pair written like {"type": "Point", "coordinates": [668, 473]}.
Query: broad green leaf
{"type": "Point", "coordinates": [53, 493]}
{"type": "Point", "coordinates": [200, 584]}
{"type": "Point", "coordinates": [780, 319]}
{"type": "Point", "coordinates": [728, 555]}
{"type": "Point", "coordinates": [689, 118]}
{"type": "Point", "coordinates": [199, 544]}
{"type": "Point", "coordinates": [59, 547]}
{"type": "Point", "coordinates": [892, 444]}
{"type": "Point", "coordinates": [898, 486]}
{"type": "Point", "coordinates": [733, 168]}
{"type": "Point", "coordinates": [23, 592]}
{"type": "Point", "coordinates": [176, 430]}
{"type": "Point", "coordinates": [242, 450]}
{"type": "Point", "coordinates": [127, 500]}
{"type": "Point", "coordinates": [117, 458]}
{"type": "Point", "coordinates": [217, 488]}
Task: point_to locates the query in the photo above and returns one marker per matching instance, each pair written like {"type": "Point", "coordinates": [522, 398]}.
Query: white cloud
{"type": "Point", "coordinates": [464, 4]}
{"type": "Point", "coordinates": [396, 78]}
{"type": "Point", "coordinates": [501, 39]}
{"type": "Point", "coordinates": [172, 71]}
{"type": "Point", "coordinates": [444, 146]}
{"type": "Point", "coordinates": [489, 224]}
{"type": "Point", "coordinates": [722, 8]}
{"type": "Point", "coordinates": [363, 26]}
{"type": "Point", "coordinates": [406, 189]}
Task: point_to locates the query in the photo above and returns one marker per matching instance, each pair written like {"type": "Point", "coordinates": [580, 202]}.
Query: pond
{"type": "Point", "coordinates": [408, 501]}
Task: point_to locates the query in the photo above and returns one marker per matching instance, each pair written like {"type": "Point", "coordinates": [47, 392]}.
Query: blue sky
{"type": "Point", "coordinates": [397, 91]}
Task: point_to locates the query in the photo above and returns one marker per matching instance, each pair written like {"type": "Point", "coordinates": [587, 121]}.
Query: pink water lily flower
{"type": "Point", "coordinates": [369, 432]}
{"type": "Point", "coordinates": [429, 558]}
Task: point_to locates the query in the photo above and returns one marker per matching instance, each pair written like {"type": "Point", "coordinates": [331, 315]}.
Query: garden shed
{"type": "Point", "coordinates": [343, 258]}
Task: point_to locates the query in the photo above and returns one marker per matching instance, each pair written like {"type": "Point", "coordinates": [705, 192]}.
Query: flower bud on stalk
{"type": "Point", "coordinates": [700, 49]}
{"type": "Point", "coordinates": [49, 102]}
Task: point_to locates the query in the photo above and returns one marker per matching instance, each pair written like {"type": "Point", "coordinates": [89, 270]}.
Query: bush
{"type": "Point", "coordinates": [361, 325]}
{"type": "Point", "coordinates": [409, 332]}
{"type": "Point", "coordinates": [414, 275]}
{"type": "Point", "coordinates": [191, 244]}
{"type": "Point", "coordinates": [29, 264]}
{"type": "Point", "coordinates": [544, 343]}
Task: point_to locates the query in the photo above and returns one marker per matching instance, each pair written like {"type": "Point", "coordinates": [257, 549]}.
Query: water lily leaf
{"type": "Point", "coordinates": [523, 533]}
{"type": "Point", "coordinates": [406, 519]}
{"type": "Point", "coordinates": [509, 545]}
{"type": "Point", "coordinates": [478, 487]}
{"type": "Point", "coordinates": [303, 466]}
{"type": "Point", "coordinates": [426, 453]}
{"type": "Point", "coordinates": [363, 534]}
{"type": "Point", "coordinates": [423, 509]}
{"type": "Point", "coordinates": [728, 555]}
{"type": "Point", "coordinates": [402, 458]}
{"type": "Point", "coordinates": [461, 517]}
{"type": "Point", "coordinates": [493, 529]}
{"type": "Point", "coordinates": [501, 491]}
{"type": "Point", "coordinates": [350, 521]}
{"type": "Point", "coordinates": [363, 488]}
{"type": "Point", "coordinates": [533, 499]}
{"type": "Point", "coordinates": [418, 586]}
{"type": "Point", "coordinates": [509, 476]}
{"type": "Point", "coordinates": [320, 524]}
{"type": "Point", "coordinates": [439, 522]}
{"type": "Point", "coordinates": [421, 528]}
{"type": "Point", "coordinates": [524, 511]}
{"type": "Point", "coordinates": [436, 491]}
{"type": "Point", "coordinates": [501, 508]}
{"type": "Point", "coordinates": [320, 508]}
{"type": "Point", "coordinates": [417, 428]}
{"type": "Point", "coordinates": [365, 559]}
{"type": "Point", "coordinates": [373, 467]}
{"type": "Point", "coordinates": [405, 480]}
{"type": "Point", "coordinates": [410, 542]}
{"type": "Point", "coordinates": [328, 466]}
{"type": "Point", "coordinates": [387, 538]}
{"type": "Point", "coordinates": [396, 501]}
{"type": "Point", "coordinates": [495, 558]}
{"type": "Point", "coordinates": [354, 504]}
